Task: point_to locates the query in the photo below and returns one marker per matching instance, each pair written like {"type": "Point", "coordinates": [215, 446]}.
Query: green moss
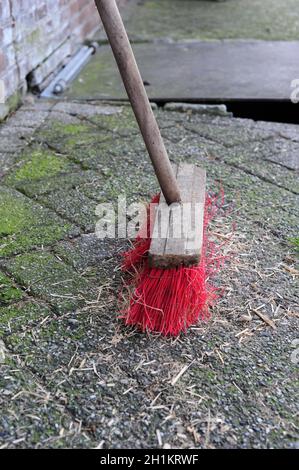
{"type": "Point", "coordinates": [8, 292]}
{"type": "Point", "coordinates": [21, 316]}
{"type": "Point", "coordinates": [57, 130]}
{"type": "Point", "coordinates": [39, 164]}
{"type": "Point", "coordinates": [123, 123]}
{"type": "Point", "coordinates": [34, 36]}
{"type": "Point", "coordinates": [78, 142]}
{"type": "Point", "coordinates": [34, 189]}
{"type": "Point", "coordinates": [50, 279]}
{"type": "Point", "coordinates": [295, 243]}
{"type": "Point", "coordinates": [11, 104]}
{"type": "Point", "coordinates": [92, 146]}
{"type": "Point", "coordinates": [14, 214]}
{"type": "Point", "coordinates": [89, 77]}
{"type": "Point", "coordinates": [73, 129]}
{"type": "Point", "coordinates": [24, 224]}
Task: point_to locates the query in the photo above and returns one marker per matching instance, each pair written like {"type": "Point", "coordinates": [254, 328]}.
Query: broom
{"type": "Point", "coordinates": [170, 267]}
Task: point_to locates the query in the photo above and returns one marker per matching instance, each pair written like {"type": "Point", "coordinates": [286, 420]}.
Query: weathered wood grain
{"type": "Point", "coordinates": [177, 235]}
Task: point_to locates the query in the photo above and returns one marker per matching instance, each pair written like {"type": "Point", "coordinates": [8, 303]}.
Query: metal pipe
{"type": "Point", "coordinates": [69, 72]}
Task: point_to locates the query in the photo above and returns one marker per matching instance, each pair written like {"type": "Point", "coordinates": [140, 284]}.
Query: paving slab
{"type": "Point", "coordinates": [22, 315]}
{"type": "Point", "coordinates": [8, 291]}
{"type": "Point", "coordinates": [213, 71]}
{"type": "Point", "coordinates": [45, 276]}
{"type": "Point", "coordinates": [30, 416]}
{"type": "Point", "coordinates": [199, 19]}
{"type": "Point", "coordinates": [25, 224]}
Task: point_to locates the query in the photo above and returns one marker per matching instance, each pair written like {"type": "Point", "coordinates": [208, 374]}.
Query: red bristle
{"type": "Point", "coordinates": [135, 256]}
{"type": "Point", "coordinates": [168, 301]}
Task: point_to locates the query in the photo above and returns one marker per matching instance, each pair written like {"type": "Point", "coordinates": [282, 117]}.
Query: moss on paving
{"type": "Point", "coordinates": [111, 151]}
{"type": "Point", "coordinates": [248, 392]}
{"type": "Point", "coordinates": [234, 153]}
{"type": "Point", "coordinates": [87, 252]}
{"type": "Point", "coordinates": [73, 205]}
{"type": "Point", "coordinates": [36, 165]}
{"type": "Point", "coordinates": [8, 292]}
{"type": "Point", "coordinates": [54, 343]}
{"type": "Point", "coordinates": [47, 277]}
{"type": "Point", "coordinates": [38, 169]}
{"type": "Point", "coordinates": [25, 224]}
{"type": "Point", "coordinates": [187, 137]}
{"type": "Point", "coordinates": [123, 124]}
{"type": "Point", "coordinates": [22, 316]}
{"type": "Point", "coordinates": [231, 19]}
{"type": "Point", "coordinates": [73, 139]}
{"type": "Point", "coordinates": [30, 416]}
{"type": "Point", "coordinates": [90, 144]}
{"type": "Point", "coordinates": [295, 243]}
{"type": "Point", "coordinates": [36, 188]}
{"type": "Point", "coordinates": [249, 160]}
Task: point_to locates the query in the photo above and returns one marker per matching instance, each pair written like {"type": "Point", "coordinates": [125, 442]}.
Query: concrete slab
{"type": "Point", "coordinates": [231, 19]}
{"type": "Point", "coordinates": [201, 71]}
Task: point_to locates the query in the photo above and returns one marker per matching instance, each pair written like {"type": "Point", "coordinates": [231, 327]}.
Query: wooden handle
{"type": "Point", "coordinates": [133, 82]}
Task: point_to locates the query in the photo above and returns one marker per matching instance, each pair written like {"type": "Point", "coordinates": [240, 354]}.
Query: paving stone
{"type": "Point", "coordinates": [35, 164]}
{"type": "Point", "coordinates": [65, 182]}
{"type": "Point", "coordinates": [59, 117]}
{"type": "Point", "coordinates": [79, 141]}
{"type": "Point", "coordinates": [229, 133]}
{"type": "Point", "coordinates": [45, 276]}
{"type": "Point", "coordinates": [119, 124]}
{"type": "Point", "coordinates": [210, 109]}
{"type": "Point", "coordinates": [117, 179]}
{"type": "Point", "coordinates": [22, 132]}
{"type": "Point", "coordinates": [98, 389]}
{"type": "Point", "coordinates": [25, 224]}
{"type": "Point", "coordinates": [23, 316]}
{"type": "Point", "coordinates": [257, 202]}
{"type": "Point", "coordinates": [204, 71]}
{"type": "Point", "coordinates": [34, 188]}
{"type": "Point", "coordinates": [74, 206]}
{"type": "Point", "coordinates": [285, 153]}
{"type": "Point", "coordinates": [8, 291]}
{"type": "Point", "coordinates": [252, 159]}
{"type": "Point", "coordinates": [31, 416]}
{"type": "Point", "coordinates": [6, 162]}
{"type": "Point", "coordinates": [37, 104]}
{"type": "Point", "coordinates": [88, 250]}
{"type": "Point", "coordinates": [268, 20]}
{"type": "Point", "coordinates": [83, 109]}
{"type": "Point", "coordinates": [12, 145]}
{"type": "Point", "coordinates": [90, 147]}
{"type": "Point", "coordinates": [27, 118]}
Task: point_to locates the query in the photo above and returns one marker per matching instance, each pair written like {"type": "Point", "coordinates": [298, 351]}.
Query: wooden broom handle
{"type": "Point", "coordinates": [133, 82]}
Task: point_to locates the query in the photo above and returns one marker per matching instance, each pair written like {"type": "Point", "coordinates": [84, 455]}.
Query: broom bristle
{"type": "Point", "coordinates": [168, 301]}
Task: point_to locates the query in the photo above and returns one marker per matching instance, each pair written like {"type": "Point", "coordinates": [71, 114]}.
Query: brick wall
{"type": "Point", "coordinates": [37, 36]}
